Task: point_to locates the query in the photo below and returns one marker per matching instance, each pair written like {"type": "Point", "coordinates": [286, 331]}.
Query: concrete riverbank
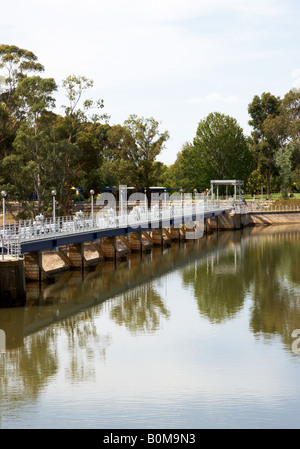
{"type": "Point", "coordinates": [254, 218]}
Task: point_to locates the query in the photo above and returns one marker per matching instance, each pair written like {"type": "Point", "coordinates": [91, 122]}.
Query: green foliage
{"type": "Point", "coordinates": [275, 139]}
{"type": "Point", "coordinates": [295, 178]}
{"type": "Point", "coordinates": [222, 148]}
{"type": "Point", "coordinates": [260, 109]}
{"type": "Point", "coordinates": [77, 111]}
{"type": "Point", "coordinates": [283, 160]}
{"type": "Point", "coordinates": [255, 181]}
{"type": "Point", "coordinates": [264, 112]}
{"type": "Point", "coordinates": [35, 96]}
{"type": "Point", "coordinates": [132, 149]}
{"type": "Point", "coordinates": [15, 64]}
{"type": "Point", "coordinates": [41, 150]}
{"type": "Point", "coordinates": [219, 151]}
{"type": "Point", "coordinates": [186, 171]}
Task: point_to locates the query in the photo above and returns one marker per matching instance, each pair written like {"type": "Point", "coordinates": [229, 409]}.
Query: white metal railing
{"type": "Point", "coordinates": [256, 206]}
{"type": "Point", "coordinates": [42, 228]}
{"type": "Point", "coordinates": [10, 246]}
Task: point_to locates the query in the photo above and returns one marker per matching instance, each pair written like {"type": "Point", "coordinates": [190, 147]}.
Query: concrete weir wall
{"type": "Point", "coordinates": [260, 218]}
{"type": "Point", "coordinates": [227, 221]}
{"type": "Point", "coordinates": [12, 283]}
{"type": "Point", "coordinates": [273, 218]}
{"type": "Point", "coordinates": [15, 272]}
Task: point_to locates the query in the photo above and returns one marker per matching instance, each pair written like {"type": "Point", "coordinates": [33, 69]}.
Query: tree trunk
{"type": "Point", "coordinates": [38, 182]}
{"type": "Point", "coordinates": [268, 181]}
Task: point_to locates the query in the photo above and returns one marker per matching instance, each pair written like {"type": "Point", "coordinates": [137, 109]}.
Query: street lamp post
{"type": "Point", "coordinates": [54, 195]}
{"type": "Point", "coordinates": [146, 208]}
{"type": "Point", "coordinates": [195, 195]}
{"type": "Point", "coordinates": [181, 199]}
{"type": "Point", "coordinates": [92, 192]}
{"type": "Point", "coordinates": [3, 194]}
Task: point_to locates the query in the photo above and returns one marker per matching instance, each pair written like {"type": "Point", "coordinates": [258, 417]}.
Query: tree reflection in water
{"type": "Point", "coordinates": [264, 267]}
{"type": "Point", "coordinates": [276, 286]}
{"type": "Point", "coordinates": [257, 268]}
{"type": "Point", "coordinates": [25, 371]}
{"type": "Point", "coordinates": [217, 285]}
{"type": "Point", "coordinates": [140, 310]}
{"type": "Point", "coordinates": [85, 345]}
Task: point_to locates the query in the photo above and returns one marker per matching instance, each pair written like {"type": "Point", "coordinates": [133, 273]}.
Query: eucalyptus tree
{"type": "Point", "coordinates": [283, 161]}
{"type": "Point", "coordinates": [291, 114]}
{"type": "Point", "coordinates": [80, 138]}
{"type": "Point", "coordinates": [35, 97]}
{"type": "Point", "coordinates": [264, 112]}
{"type": "Point", "coordinates": [79, 110]}
{"type": "Point", "coordinates": [15, 65]}
{"type": "Point", "coordinates": [132, 151]}
{"type": "Point", "coordinates": [275, 141]}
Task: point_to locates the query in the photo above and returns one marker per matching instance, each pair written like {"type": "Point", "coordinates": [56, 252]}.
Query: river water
{"type": "Point", "coordinates": [198, 335]}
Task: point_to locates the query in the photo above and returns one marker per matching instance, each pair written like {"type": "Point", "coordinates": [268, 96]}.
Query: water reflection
{"type": "Point", "coordinates": [139, 305]}
{"type": "Point", "coordinates": [275, 284]}
{"type": "Point", "coordinates": [219, 284]}
{"type": "Point", "coordinates": [261, 265]}
{"type": "Point", "coordinates": [140, 310]}
{"type": "Point", "coordinates": [223, 270]}
{"type": "Point", "coordinates": [24, 373]}
{"type": "Point", "coordinates": [85, 344]}
{"type": "Point", "coordinates": [68, 330]}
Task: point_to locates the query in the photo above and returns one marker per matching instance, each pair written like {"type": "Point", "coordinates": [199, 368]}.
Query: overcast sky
{"type": "Point", "coordinates": [173, 60]}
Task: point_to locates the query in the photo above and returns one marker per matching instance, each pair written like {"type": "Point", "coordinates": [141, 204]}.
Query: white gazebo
{"type": "Point", "coordinates": [237, 184]}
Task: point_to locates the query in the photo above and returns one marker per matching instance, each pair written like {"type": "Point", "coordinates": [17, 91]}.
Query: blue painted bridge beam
{"type": "Point", "coordinates": [89, 236]}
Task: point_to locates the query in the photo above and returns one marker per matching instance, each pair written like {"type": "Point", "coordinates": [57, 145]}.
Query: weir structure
{"type": "Point", "coordinates": [111, 233]}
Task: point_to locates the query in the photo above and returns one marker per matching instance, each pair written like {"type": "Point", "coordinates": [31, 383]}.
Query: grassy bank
{"type": "Point", "coordinates": [273, 196]}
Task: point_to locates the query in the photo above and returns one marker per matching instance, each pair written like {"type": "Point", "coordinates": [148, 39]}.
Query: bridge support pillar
{"type": "Point", "coordinates": [175, 233]}
{"type": "Point", "coordinates": [33, 263]}
{"type": "Point", "coordinates": [12, 283]}
{"type": "Point", "coordinates": [227, 221]}
{"type": "Point", "coordinates": [140, 241]}
{"type": "Point", "coordinates": [76, 255]}
{"type": "Point", "coordinates": [161, 237]}
{"type": "Point", "coordinates": [109, 248]}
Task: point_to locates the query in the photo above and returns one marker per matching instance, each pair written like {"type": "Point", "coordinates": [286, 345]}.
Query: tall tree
{"type": "Point", "coordinates": [283, 161]}
{"type": "Point", "coordinates": [219, 151]}
{"type": "Point", "coordinates": [264, 143]}
{"type": "Point", "coordinates": [186, 172]}
{"type": "Point", "coordinates": [15, 64]}
{"type": "Point", "coordinates": [82, 137]}
{"type": "Point", "coordinates": [78, 110]}
{"type": "Point", "coordinates": [132, 150]}
{"type": "Point", "coordinates": [291, 112]}
{"type": "Point", "coordinates": [35, 96]}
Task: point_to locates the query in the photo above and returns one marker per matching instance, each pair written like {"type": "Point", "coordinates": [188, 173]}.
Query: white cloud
{"type": "Point", "coordinates": [150, 57]}
{"type": "Point", "coordinates": [215, 98]}
{"type": "Point", "coordinates": [115, 42]}
{"type": "Point", "coordinates": [140, 11]}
